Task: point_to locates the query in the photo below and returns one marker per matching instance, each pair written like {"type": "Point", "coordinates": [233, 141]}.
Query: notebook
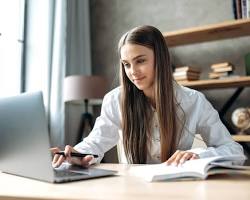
{"type": "Point", "coordinates": [24, 142]}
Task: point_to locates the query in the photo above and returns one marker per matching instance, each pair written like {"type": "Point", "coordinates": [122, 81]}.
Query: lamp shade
{"type": "Point", "coordinates": [77, 88]}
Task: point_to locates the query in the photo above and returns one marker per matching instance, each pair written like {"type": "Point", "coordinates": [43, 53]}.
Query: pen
{"type": "Point", "coordinates": [79, 155]}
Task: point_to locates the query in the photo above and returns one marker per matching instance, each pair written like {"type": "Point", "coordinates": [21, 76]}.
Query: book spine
{"type": "Point", "coordinates": [244, 8]}
{"type": "Point", "coordinates": [248, 9]}
{"type": "Point", "coordinates": [238, 9]}
{"type": "Point", "coordinates": [187, 68]}
{"type": "Point", "coordinates": [186, 73]}
{"type": "Point", "coordinates": [220, 65]}
{"type": "Point", "coordinates": [234, 9]}
{"type": "Point", "coordinates": [224, 69]}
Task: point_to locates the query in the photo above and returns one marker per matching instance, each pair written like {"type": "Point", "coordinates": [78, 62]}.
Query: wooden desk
{"type": "Point", "coordinates": [126, 187]}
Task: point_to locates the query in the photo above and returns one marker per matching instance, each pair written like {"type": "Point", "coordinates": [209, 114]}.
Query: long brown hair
{"type": "Point", "coordinates": [136, 111]}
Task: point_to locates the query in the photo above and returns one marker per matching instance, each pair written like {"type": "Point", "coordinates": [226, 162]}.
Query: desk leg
{"type": "Point", "coordinates": [227, 105]}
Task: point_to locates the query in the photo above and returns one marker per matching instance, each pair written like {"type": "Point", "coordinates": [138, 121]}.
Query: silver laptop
{"type": "Point", "coordinates": [24, 142]}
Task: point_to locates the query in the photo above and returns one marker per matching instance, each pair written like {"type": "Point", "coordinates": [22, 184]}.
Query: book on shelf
{"type": "Point", "coordinates": [186, 78]}
{"type": "Point", "coordinates": [215, 75]}
{"type": "Point", "coordinates": [245, 8]}
{"type": "Point", "coordinates": [188, 68]}
{"type": "Point", "coordinates": [192, 169]}
{"type": "Point", "coordinates": [186, 73]}
{"type": "Point", "coordinates": [237, 9]}
{"type": "Point", "coordinates": [224, 69]}
{"type": "Point", "coordinates": [220, 65]}
{"type": "Point", "coordinates": [241, 9]}
{"type": "Point", "coordinates": [221, 70]}
{"type": "Point", "coordinates": [248, 9]}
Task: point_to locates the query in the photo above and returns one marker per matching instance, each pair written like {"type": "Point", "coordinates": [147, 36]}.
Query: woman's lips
{"type": "Point", "coordinates": [138, 79]}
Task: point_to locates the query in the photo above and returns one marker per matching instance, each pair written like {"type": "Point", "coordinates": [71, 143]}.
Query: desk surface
{"type": "Point", "coordinates": [126, 187]}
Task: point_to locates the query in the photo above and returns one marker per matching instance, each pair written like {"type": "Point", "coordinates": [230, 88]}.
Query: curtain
{"type": "Point", "coordinates": [78, 59]}
{"type": "Point", "coordinates": [57, 74]}
{"type": "Point", "coordinates": [45, 59]}
{"type": "Point", "coordinates": [57, 45]}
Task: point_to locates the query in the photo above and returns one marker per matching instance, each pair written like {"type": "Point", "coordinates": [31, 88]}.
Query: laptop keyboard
{"type": "Point", "coordinates": [64, 173]}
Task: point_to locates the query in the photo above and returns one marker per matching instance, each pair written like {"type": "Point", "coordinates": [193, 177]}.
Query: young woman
{"type": "Point", "coordinates": [157, 118]}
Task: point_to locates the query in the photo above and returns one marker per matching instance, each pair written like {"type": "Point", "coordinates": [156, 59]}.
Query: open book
{"type": "Point", "coordinates": [193, 169]}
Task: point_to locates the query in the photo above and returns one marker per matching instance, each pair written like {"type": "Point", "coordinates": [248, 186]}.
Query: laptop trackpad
{"type": "Point", "coordinates": [78, 173]}
{"type": "Point", "coordinates": [68, 168]}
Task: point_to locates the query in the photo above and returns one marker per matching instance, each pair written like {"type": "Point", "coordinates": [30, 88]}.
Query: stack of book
{"type": "Point", "coordinates": [186, 73]}
{"type": "Point", "coordinates": [221, 70]}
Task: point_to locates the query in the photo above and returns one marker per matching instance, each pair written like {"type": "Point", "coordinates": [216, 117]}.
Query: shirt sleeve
{"type": "Point", "coordinates": [105, 134]}
{"type": "Point", "coordinates": [214, 133]}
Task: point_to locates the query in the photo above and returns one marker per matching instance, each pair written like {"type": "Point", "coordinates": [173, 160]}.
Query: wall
{"type": "Point", "coordinates": [110, 19]}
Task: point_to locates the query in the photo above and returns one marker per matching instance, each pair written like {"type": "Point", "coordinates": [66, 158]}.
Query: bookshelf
{"type": "Point", "coordinates": [241, 138]}
{"type": "Point", "coordinates": [241, 81]}
{"type": "Point", "coordinates": [213, 32]}
{"type": "Point", "coordinates": [225, 30]}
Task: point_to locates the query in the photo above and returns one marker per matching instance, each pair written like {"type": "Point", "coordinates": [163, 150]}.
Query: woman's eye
{"type": "Point", "coordinates": [141, 61]}
{"type": "Point", "coordinates": [126, 65]}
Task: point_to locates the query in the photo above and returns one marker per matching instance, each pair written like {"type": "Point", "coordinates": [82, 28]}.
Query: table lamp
{"type": "Point", "coordinates": [80, 89]}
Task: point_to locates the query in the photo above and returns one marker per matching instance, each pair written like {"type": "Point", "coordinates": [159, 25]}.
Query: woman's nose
{"type": "Point", "coordinates": [134, 70]}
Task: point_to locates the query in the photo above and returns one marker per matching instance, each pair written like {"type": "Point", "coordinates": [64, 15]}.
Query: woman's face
{"type": "Point", "coordinates": [139, 65]}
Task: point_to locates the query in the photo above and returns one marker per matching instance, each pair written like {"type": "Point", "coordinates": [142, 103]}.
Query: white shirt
{"type": "Point", "coordinates": [201, 118]}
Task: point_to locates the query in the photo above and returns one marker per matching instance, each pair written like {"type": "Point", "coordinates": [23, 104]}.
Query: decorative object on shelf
{"type": "Point", "coordinates": [247, 63]}
{"type": "Point", "coordinates": [241, 119]}
{"type": "Point", "coordinates": [186, 73]}
{"type": "Point", "coordinates": [80, 89]}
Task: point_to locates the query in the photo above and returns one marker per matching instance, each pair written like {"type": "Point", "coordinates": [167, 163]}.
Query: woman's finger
{"type": "Point", "coordinates": [55, 157]}
{"type": "Point", "coordinates": [186, 156]}
{"type": "Point", "coordinates": [59, 161]}
{"type": "Point", "coordinates": [54, 149]}
{"type": "Point", "coordinates": [67, 151]}
{"type": "Point", "coordinates": [194, 156]}
{"type": "Point", "coordinates": [172, 158]}
{"type": "Point", "coordinates": [178, 157]}
{"type": "Point", "coordinates": [84, 162]}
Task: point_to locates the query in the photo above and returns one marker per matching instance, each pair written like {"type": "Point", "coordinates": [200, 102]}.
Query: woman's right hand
{"type": "Point", "coordinates": [59, 159]}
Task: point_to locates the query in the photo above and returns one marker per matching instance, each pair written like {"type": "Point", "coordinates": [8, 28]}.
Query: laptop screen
{"type": "Point", "coordinates": [24, 143]}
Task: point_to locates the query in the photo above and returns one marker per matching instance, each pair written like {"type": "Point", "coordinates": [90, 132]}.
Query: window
{"type": "Point", "coordinates": [11, 46]}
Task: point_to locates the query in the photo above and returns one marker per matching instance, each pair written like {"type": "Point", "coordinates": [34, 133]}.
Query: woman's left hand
{"type": "Point", "coordinates": [179, 157]}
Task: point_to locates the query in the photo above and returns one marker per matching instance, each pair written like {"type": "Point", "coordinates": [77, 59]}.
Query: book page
{"type": "Point", "coordinates": [194, 168]}
{"type": "Point", "coordinates": [229, 165]}
{"type": "Point", "coordinates": [156, 172]}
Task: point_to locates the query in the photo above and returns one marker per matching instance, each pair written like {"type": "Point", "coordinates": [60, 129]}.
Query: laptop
{"type": "Point", "coordinates": [25, 143]}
